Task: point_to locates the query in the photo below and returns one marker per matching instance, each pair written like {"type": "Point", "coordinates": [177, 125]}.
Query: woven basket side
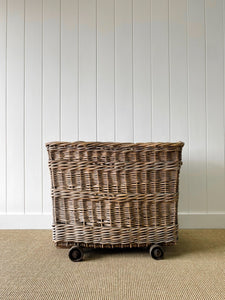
{"type": "Point", "coordinates": [115, 172]}
{"type": "Point", "coordinates": [98, 187]}
{"type": "Point", "coordinates": [115, 211]}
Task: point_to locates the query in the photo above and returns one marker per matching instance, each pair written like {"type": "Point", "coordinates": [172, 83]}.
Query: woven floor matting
{"type": "Point", "coordinates": [32, 268]}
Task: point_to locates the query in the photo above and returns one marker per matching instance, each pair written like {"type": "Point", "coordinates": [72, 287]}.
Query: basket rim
{"type": "Point", "coordinates": [113, 144]}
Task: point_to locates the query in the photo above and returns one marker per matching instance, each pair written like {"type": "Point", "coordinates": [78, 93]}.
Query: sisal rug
{"type": "Point", "coordinates": [31, 267]}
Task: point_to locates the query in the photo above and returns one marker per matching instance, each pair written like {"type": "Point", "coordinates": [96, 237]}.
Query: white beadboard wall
{"type": "Point", "coordinates": [111, 70]}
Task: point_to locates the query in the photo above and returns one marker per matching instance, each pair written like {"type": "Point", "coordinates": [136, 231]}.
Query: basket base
{"type": "Point", "coordinates": [67, 235]}
{"type": "Point", "coordinates": [85, 245]}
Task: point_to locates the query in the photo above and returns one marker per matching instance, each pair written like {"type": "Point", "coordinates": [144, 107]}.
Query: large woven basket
{"type": "Point", "coordinates": [114, 194]}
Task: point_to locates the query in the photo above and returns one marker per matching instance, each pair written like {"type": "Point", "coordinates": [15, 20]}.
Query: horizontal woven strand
{"type": "Point", "coordinates": [112, 236]}
{"type": "Point", "coordinates": [87, 166]}
{"type": "Point", "coordinates": [115, 180]}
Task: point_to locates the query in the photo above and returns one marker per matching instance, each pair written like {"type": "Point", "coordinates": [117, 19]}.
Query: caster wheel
{"type": "Point", "coordinates": [156, 252]}
{"type": "Point", "coordinates": [76, 254]}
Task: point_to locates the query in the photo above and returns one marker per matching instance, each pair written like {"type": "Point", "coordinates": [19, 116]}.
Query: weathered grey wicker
{"type": "Point", "coordinates": [114, 194]}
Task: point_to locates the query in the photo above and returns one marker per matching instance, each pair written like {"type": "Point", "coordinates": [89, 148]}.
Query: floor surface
{"type": "Point", "coordinates": [31, 267]}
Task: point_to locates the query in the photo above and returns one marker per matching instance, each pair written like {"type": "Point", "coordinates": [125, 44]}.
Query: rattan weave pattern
{"type": "Point", "coordinates": [114, 194]}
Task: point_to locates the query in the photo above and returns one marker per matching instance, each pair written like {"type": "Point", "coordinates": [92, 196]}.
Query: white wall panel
{"type": "Point", "coordinates": [179, 88]}
{"type": "Point", "coordinates": [15, 106]}
{"type": "Point", "coordinates": [87, 70]}
{"type": "Point", "coordinates": [3, 105]}
{"type": "Point", "coordinates": [123, 70]}
{"type": "Point", "coordinates": [215, 105]}
{"type": "Point", "coordinates": [105, 70]}
{"type": "Point", "coordinates": [69, 70]}
{"type": "Point", "coordinates": [197, 106]}
{"type": "Point", "coordinates": [33, 106]}
{"type": "Point", "coordinates": [160, 71]}
{"type": "Point", "coordinates": [51, 87]}
{"type": "Point", "coordinates": [142, 70]}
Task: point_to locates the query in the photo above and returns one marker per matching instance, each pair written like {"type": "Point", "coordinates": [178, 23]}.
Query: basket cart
{"type": "Point", "coordinates": [108, 195]}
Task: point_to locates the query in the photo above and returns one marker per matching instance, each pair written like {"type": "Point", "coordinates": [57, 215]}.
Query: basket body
{"type": "Point", "coordinates": [114, 194]}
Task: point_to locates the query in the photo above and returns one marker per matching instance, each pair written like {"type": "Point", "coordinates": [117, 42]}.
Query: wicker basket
{"type": "Point", "coordinates": [114, 194]}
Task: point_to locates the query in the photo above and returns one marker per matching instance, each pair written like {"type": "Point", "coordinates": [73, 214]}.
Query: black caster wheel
{"type": "Point", "coordinates": [76, 254]}
{"type": "Point", "coordinates": [156, 252]}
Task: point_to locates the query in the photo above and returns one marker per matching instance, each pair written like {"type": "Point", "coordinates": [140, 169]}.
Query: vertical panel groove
{"type": "Point", "coordinates": [6, 113]}
{"type": "Point", "coordinates": [150, 74]}
{"type": "Point", "coordinates": [96, 62]}
{"type": "Point", "coordinates": [78, 70]}
{"type": "Point", "coordinates": [60, 70]}
{"type": "Point", "coordinates": [206, 114]}
{"type": "Point", "coordinates": [223, 20]}
{"type": "Point", "coordinates": [114, 70]}
{"type": "Point", "coordinates": [152, 99]}
{"type": "Point", "coordinates": [24, 109]}
{"type": "Point", "coordinates": [42, 106]}
{"type": "Point", "coordinates": [132, 51]}
{"type": "Point", "coordinates": [169, 70]}
{"type": "Point", "coordinates": [188, 114]}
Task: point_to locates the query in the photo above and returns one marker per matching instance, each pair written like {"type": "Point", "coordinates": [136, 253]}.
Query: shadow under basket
{"type": "Point", "coordinates": [114, 195]}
